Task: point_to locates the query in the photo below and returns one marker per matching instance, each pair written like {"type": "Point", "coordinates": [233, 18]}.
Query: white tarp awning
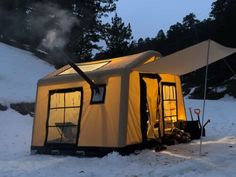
{"type": "Point", "coordinates": [188, 59]}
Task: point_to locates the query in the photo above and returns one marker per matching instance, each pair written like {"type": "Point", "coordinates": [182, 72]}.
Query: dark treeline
{"type": "Point", "coordinates": [82, 28]}
{"type": "Point", "coordinates": [76, 27]}
{"type": "Point", "coordinates": [221, 27]}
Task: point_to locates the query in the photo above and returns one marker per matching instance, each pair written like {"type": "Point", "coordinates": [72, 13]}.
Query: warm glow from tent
{"type": "Point", "coordinates": [85, 67]}
{"type": "Point", "coordinates": [154, 58]}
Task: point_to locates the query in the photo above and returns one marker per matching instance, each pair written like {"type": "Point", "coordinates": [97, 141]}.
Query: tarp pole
{"type": "Point", "coordinates": [205, 94]}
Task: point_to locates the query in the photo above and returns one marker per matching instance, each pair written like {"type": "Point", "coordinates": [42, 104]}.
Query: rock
{"type": "Point", "coordinates": [2, 107]}
{"type": "Point", "coordinates": [23, 108]}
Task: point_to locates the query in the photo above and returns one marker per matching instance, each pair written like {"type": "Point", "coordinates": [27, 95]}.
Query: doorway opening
{"type": "Point", "coordinates": [149, 106]}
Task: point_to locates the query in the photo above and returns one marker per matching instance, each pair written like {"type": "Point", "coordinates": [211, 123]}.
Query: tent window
{"type": "Point", "coordinates": [98, 97]}
{"type": "Point", "coordinates": [63, 116]}
{"type": "Point", "coordinates": [169, 105]}
{"type": "Point", "coordinates": [86, 67]}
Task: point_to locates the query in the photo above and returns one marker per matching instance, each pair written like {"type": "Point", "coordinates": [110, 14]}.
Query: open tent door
{"type": "Point", "coordinates": [150, 105]}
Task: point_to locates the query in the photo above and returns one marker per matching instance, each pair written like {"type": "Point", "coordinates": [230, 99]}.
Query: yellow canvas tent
{"type": "Point", "coordinates": [131, 107]}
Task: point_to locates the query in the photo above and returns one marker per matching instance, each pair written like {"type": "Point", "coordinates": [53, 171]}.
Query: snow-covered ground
{"type": "Point", "coordinates": [219, 149]}
{"type": "Point", "coordinates": [183, 160]}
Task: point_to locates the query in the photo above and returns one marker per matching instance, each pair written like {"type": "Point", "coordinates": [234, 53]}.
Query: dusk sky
{"type": "Point", "coordinates": [147, 17]}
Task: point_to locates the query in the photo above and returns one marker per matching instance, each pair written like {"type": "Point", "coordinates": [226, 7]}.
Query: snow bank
{"type": "Point", "coordinates": [19, 73]}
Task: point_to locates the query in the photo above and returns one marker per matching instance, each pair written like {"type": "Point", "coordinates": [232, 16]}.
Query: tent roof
{"type": "Point", "coordinates": [108, 66]}
{"type": "Point", "coordinates": [188, 59]}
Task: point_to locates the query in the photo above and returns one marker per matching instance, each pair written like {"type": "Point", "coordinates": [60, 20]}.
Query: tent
{"type": "Point", "coordinates": [139, 99]}
{"type": "Point", "coordinates": [130, 108]}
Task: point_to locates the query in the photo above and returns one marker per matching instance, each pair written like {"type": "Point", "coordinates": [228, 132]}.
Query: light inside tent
{"type": "Point", "coordinates": [85, 67]}
{"type": "Point", "coordinates": [169, 105]}
{"type": "Point", "coordinates": [154, 58]}
{"type": "Point", "coordinates": [181, 116]}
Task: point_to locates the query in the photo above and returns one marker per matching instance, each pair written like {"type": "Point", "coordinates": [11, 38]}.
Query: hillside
{"type": "Point", "coordinates": [19, 73]}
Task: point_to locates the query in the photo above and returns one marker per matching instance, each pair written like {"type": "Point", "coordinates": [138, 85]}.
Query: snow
{"type": "Point", "coordinates": [192, 90]}
{"type": "Point", "coordinates": [228, 97]}
{"type": "Point", "coordinates": [19, 73]}
{"type": "Point", "coordinates": [218, 160]}
{"type": "Point", "coordinates": [220, 89]}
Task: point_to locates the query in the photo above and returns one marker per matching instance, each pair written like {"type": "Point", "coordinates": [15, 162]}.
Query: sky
{"type": "Point", "coordinates": [147, 17]}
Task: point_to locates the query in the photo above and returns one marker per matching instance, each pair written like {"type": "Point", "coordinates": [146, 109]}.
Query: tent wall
{"type": "Point", "coordinates": [41, 112]}
{"type": "Point", "coordinates": [99, 122]}
{"type": "Point", "coordinates": [134, 135]}
{"type": "Point", "coordinates": [123, 108]}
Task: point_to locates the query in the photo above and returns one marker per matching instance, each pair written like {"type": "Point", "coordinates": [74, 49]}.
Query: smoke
{"type": "Point", "coordinates": [45, 25]}
{"type": "Point", "coordinates": [54, 22]}
{"type": "Point", "coordinates": [54, 39]}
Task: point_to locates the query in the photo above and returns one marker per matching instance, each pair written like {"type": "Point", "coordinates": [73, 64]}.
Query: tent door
{"type": "Point", "coordinates": [149, 106]}
{"type": "Point", "coordinates": [64, 115]}
{"type": "Point", "coordinates": [169, 105]}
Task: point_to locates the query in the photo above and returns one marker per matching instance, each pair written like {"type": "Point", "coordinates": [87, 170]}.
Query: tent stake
{"type": "Point", "coordinates": [205, 94]}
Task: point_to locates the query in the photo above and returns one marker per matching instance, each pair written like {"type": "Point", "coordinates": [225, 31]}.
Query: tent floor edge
{"type": "Point", "coordinates": [97, 151]}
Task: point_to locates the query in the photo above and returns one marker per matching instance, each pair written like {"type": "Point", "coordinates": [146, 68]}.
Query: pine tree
{"type": "Point", "coordinates": [12, 15]}
{"type": "Point", "coordinates": [189, 21]}
{"type": "Point", "coordinates": [87, 33]}
{"type": "Point", "coordinates": [33, 20]}
{"type": "Point", "coordinates": [224, 14]}
{"type": "Point", "coordinates": [117, 37]}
